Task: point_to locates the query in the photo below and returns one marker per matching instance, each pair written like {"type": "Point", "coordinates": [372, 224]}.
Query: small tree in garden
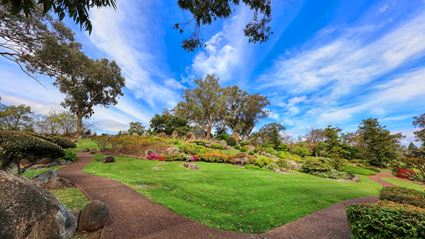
{"type": "Point", "coordinates": [269, 134]}
{"type": "Point", "coordinates": [136, 128]}
{"type": "Point", "coordinates": [16, 117]}
{"type": "Point", "coordinates": [57, 123]}
{"type": "Point", "coordinates": [168, 123]}
{"type": "Point", "coordinates": [377, 144]}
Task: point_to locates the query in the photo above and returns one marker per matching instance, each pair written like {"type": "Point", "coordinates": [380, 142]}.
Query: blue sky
{"type": "Point", "coordinates": [327, 62]}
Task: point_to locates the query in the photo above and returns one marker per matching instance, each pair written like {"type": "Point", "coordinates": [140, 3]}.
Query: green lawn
{"type": "Point", "coordinates": [359, 170]}
{"type": "Point", "coordinates": [72, 198]}
{"type": "Point", "coordinates": [86, 144]}
{"type": "Point", "coordinates": [230, 197]}
{"type": "Point", "coordinates": [405, 184]}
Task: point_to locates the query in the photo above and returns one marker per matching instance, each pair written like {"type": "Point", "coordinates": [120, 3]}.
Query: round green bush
{"type": "Point", "coordinates": [403, 195]}
{"type": "Point", "coordinates": [16, 145]}
{"type": "Point", "coordinates": [63, 142]}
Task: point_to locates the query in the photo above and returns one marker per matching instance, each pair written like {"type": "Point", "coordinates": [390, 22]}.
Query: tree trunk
{"type": "Point", "coordinates": [79, 131]}
{"type": "Point", "coordinates": [209, 128]}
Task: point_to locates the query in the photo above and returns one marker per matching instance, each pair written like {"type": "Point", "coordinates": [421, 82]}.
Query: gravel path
{"type": "Point", "coordinates": [135, 216]}
{"type": "Point", "coordinates": [377, 178]}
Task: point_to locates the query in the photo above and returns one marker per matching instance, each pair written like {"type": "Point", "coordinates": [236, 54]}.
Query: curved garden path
{"type": "Point", "coordinates": [377, 178]}
{"type": "Point", "coordinates": [135, 216]}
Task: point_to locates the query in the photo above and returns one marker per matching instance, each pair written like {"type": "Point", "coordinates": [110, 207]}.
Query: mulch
{"type": "Point", "coordinates": [132, 215]}
{"type": "Point", "coordinates": [377, 178]}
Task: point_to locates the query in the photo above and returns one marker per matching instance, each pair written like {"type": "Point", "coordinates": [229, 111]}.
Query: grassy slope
{"type": "Point", "coordinates": [229, 197]}
{"type": "Point", "coordinates": [31, 173]}
{"type": "Point", "coordinates": [404, 183]}
{"type": "Point", "coordinates": [86, 144]}
{"type": "Point", "coordinates": [359, 170]}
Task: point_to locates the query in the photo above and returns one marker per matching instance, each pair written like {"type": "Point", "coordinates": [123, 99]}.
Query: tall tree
{"type": "Point", "coordinates": [16, 117]}
{"type": "Point", "coordinates": [419, 122]}
{"type": "Point", "coordinates": [333, 147]}
{"type": "Point", "coordinates": [255, 110]}
{"type": "Point", "coordinates": [87, 83]}
{"type": "Point", "coordinates": [377, 144]}
{"type": "Point", "coordinates": [203, 105]}
{"type": "Point", "coordinates": [205, 12]}
{"type": "Point", "coordinates": [78, 10]}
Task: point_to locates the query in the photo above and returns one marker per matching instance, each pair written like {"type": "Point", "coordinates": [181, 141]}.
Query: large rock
{"type": "Point", "coordinates": [28, 211]}
{"type": "Point", "coordinates": [172, 150]}
{"type": "Point", "coordinates": [93, 216]}
{"type": "Point", "coordinates": [50, 180]}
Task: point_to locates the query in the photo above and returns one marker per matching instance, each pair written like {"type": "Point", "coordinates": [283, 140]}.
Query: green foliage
{"type": "Point", "coordinates": [378, 145]}
{"type": "Point", "coordinates": [222, 136]}
{"type": "Point", "coordinates": [168, 123]}
{"type": "Point", "coordinates": [70, 155]}
{"type": "Point", "coordinates": [76, 10]}
{"type": "Point", "coordinates": [216, 146]}
{"type": "Point", "coordinates": [14, 146]}
{"type": "Point", "coordinates": [261, 161]}
{"type": "Point", "coordinates": [282, 148]}
{"type": "Point", "coordinates": [214, 157]}
{"type": "Point", "coordinates": [193, 149]}
{"type": "Point", "coordinates": [386, 220]}
{"type": "Point", "coordinates": [231, 141]}
{"type": "Point", "coordinates": [300, 149]}
{"type": "Point", "coordinates": [403, 195]}
{"type": "Point", "coordinates": [63, 142]}
{"type": "Point", "coordinates": [129, 144]}
{"type": "Point", "coordinates": [136, 128]}
{"type": "Point", "coordinates": [269, 134]}
{"type": "Point", "coordinates": [15, 117]}
{"type": "Point", "coordinates": [323, 168]}
{"type": "Point", "coordinates": [57, 123]}
{"type": "Point", "coordinates": [282, 163]}
{"type": "Point", "coordinates": [204, 13]}
{"type": "Point", "coordinates": [288, 156]}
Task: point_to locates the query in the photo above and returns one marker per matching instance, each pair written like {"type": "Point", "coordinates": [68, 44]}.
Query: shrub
{"type": "Point", "coordinates": [231, 141]}
{"type": "Point", "coordinates": [217, 146]}
{"type": "Point", "coordinates": [405, 173]}
{"type": "Point", "coordinates": [237, 147]}
{"type": "Point", "coordinates": [261, 161]}
{"type": "Point", "coordinates": [243, 149]}
{"type": "Point", "coordinates": [282, 163]}
{"type": "Point", "coordinates": [251, 152]}
{"type": "Point", "coordinates": [175, 157]}
{"type": "Point", "coordinates": [271, 166]}
{"type": "Point", "coordinates": [315, 166]}
{"type": "Point", "coordinates": [193, 149]}
{"type": "Point", "coordinates": [15, 146]}
{"type": "Point", "coordinates": [223, 137]}
{"type": "Point", "coordinates": [193, 158]}
{"type": "Point", "coordinates": [70, 155]}
{"type": "Point", "coordinates": [155, 156]}
{"type": "Point", "coordinates": [214, 157]}
{"type": "Point", "coordinates": [288, 156]}
{"type": "Point", "coordinates": [102, 141]}
{"type": "Point", "coordinates": [386, 220]}
{"type": "Point", "coordinates": [282, 147]}
{"type": "Point", "coordinates": [403, 195]}
{"type": "Point", "coordinates": [63, 142]}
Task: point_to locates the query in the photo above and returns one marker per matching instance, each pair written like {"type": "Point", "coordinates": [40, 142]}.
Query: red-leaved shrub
{"type": "Point", "coordinates": [405, 173]}
{"type": "Point", "coordinates": [155, 156]}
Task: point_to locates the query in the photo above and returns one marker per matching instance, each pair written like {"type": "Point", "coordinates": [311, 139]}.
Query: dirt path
{"type": "Point", "coordinates": [377, 178]}
{"type": "Point", "coordinates": [135, 216]}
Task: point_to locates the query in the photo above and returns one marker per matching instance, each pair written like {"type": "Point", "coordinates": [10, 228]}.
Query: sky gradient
{"type": "Point", "coordinates": [327, 62]}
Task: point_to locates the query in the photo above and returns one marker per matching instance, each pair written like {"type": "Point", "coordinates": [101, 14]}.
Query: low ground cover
{"type": "Point", "coordinates": [231, 197]}
{"type": "Point", "coordinates": [72, 198]}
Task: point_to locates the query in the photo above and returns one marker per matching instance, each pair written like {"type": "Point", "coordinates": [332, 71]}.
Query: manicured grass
{"type": "Point", "coordinates": [72, 198]}
{"type": "Point", "coordinates": [31, 173]}
{"type": "Point", "coordinates": [230, 197]}
{"type": "Point", "coordinates": [86, 144]}
{"type": "Point", "coordinates": [405, 184]}
{"type": "Point", "coordinates": [359, 170]}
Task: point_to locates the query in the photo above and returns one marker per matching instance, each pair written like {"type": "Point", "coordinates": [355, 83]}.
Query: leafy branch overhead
{"type": "Point", "coordinates": [206, 12]}
{"type": "Point", "coordinates": [78, 10]}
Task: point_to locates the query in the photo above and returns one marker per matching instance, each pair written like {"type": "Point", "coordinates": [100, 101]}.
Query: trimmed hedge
{"type": "Point", "coordinates": [403, 195]}
{"type": "Point", "coordinates": [385, 220]}
{"type": "Point", "coordinates": [16, 145]}
{"type": "Point", "coordinates": [61, 141]}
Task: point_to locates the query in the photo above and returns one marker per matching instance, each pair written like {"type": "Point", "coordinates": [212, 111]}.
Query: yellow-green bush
{"type": "Point", "coordinates": [403, 195]}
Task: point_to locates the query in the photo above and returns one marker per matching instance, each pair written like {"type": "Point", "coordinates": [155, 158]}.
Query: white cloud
{"type": "Point", "coordinates": [225, 52]}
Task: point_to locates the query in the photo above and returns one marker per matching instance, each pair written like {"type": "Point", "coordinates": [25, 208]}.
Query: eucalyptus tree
{"type": "Point", "coordinates": [77, 10]}
{"type": "Point", "coordinates": [16, 117]}
{"type": "Point", "coordinates": [204, 105]}
{"type": "Point", "coordinates": [87, 83]}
